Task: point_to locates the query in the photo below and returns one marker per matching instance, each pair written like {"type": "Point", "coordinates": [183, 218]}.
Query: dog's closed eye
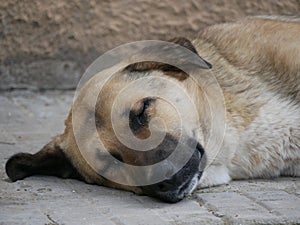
{"type": "Point", "coordinates": [117, 156]}
{"type": "Point", "coordinates": [139, 117]}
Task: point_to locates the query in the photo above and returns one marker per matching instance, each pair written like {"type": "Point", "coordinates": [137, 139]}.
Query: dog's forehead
{"type": "Point", "coordinates": [125, 89]}
{"type": "Point", "coordinates": [138, 83]}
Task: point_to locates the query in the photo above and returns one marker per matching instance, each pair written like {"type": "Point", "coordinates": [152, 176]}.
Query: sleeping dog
{"type": "Point", "coordinates": [256, 63]}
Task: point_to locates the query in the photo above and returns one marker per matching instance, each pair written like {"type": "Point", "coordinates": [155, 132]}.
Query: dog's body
{"type": "Point", "coordinates": [257, 64]}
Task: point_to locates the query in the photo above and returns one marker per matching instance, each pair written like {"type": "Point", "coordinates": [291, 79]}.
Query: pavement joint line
{"type": "Point", "coordinates": [261, 204]}
{"type": "Point", "coordinates": [52, 220]}
{"type": "Point", "coordinates": [213, 210]}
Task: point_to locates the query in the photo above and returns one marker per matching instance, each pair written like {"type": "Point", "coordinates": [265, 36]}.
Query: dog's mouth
{"type": "Point", "coordinates": [173, 196]}
{"type": "Point", "coordinates": [180, 185]}
{"type": "Point", "coordinates": [189, 186]}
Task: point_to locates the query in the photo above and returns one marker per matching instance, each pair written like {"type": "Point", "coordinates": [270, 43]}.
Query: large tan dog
{"type": "Point", "coordinates": [256, 62]}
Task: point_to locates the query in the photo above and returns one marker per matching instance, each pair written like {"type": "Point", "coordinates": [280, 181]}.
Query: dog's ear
{"type": "Point", "coordinates": [50, 160]}
{"type": "Point", "coordinates": [184, 42]}
{"type": "Point", "coordinates": [169, 70]}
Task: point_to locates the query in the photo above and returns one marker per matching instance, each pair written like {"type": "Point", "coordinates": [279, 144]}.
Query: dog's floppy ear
{"type": "Point", "coordinates": [169, 70]}
{"type": "Point", "coordinates": [184, 42]}
{"type": "Point", "coordinates": [50, 160]}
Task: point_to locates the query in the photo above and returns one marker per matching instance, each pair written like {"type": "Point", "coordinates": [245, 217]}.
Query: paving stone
{"type": "Point", "coordinates": [282, 203]}
{"type": "Point", "coordinates": [235, 205]}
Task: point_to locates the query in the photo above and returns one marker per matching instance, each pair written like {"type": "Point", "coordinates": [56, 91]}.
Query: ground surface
{"type": "Point", "coordinates": [49, 44]}
{"type": "Point", "coordinates": [28, 120]}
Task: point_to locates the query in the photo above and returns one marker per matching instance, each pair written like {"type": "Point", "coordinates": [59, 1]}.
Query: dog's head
{"type": "Point", "coordinates": [142, 114]}
{"type": "Point", "coordinates": [141, 130]}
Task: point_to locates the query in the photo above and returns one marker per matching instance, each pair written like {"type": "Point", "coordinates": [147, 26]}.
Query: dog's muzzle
{"type": "Point", "coordinates": [180, 184]}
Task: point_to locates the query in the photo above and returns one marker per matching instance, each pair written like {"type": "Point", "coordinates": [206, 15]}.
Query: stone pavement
{"type": "Point", "coordinates": [28, 120]}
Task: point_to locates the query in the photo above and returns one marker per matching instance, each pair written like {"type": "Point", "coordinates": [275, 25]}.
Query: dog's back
{"type": "Point", "coordinates": [265, 47]}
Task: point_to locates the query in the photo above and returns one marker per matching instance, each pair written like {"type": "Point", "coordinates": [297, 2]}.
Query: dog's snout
{"type": "Point", "coordinates": [179, 185]}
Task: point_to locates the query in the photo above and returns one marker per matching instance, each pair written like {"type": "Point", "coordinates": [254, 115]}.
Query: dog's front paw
{"type": "Point", "coordinates": [213, 176]}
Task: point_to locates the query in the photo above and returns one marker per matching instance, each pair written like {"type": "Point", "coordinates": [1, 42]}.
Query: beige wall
{"type": "Point", "coordinates": [48, 44]}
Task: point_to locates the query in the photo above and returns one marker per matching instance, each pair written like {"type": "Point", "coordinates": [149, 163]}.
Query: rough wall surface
{"type": "Point", "coordinates": [48, 44]}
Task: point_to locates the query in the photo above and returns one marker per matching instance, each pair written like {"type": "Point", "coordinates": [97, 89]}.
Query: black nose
{"type": "Point", "coordinates": [180, 184]}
